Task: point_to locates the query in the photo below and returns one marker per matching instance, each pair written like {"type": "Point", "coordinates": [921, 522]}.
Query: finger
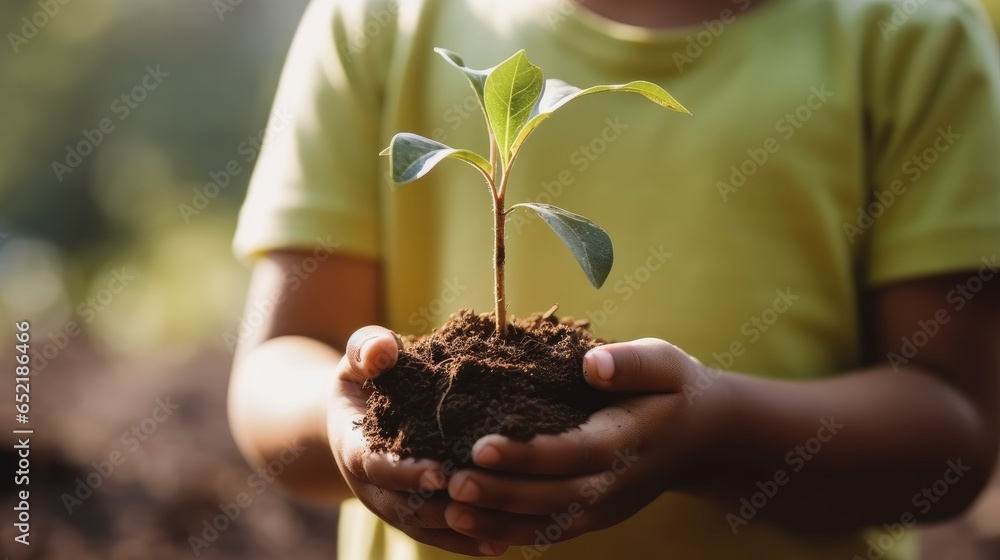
{"type": "Point", "coordinates": [647, 365]}
{"type": "Point", "coordinates": [383, 469]}
{"type": "Point", "coordinates": [422, 518]}
{"type": "Point", "coordinates": [370, 351]}
{"type": "Point", "coordinates": [512, 529]}
{"type": "Point", "coordinates": [392, 473]}
{"type": "Point", "coordinates": [453, 541]}
{"type": "Point", "coordinates": [424, 510]}
{"type": "Point", "coordinates": [349, 449]}
{"type": "Point", "coordinates": [592, 447]}
{"type": "Point", "coordinates": [520, 495]}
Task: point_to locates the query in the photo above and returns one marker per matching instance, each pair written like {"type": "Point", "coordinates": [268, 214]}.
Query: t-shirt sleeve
{"type": "Point", "coordinates": [934, 117]}
{"type": "Point", "coordinates": [316, 180]}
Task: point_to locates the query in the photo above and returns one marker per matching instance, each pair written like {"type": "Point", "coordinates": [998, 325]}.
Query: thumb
{"type": "Point", "coordinates": [372, 350]}
{"type": "Point", "coordinates": [647, 365]}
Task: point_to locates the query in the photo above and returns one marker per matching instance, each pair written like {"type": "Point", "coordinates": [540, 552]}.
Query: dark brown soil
{"type": "Point", "coordinates": [461, 383]}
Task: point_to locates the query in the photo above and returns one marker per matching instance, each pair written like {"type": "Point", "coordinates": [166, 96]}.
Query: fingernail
{"type": "Point", "coordinates": [487, 455]}
{"type": "Point", "coordinates": [468, 491]}
{"type": "Point", "coordinates": [491, 549]}
{"type": "Point", "coordinates": [375, 360]}
{"type": "Point", "coordinates": [463, 520]}
{"type": "Point", "coordinates": [433, 479]}
{"type": "Point", "coordinates": [363, 352]}
{"type": "Point", "coordinates": [600, 363]}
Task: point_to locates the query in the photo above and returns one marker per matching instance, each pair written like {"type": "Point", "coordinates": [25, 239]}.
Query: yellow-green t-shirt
{"type": "Point", "coordinates": [835, 146]}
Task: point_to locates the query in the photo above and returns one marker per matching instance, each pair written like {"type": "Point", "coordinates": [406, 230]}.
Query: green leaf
{"type": "Point", "coordinates": [590, 244]}
{"type": "Point", "coordinates": [511, 91]}
{"type": "Point", "coordinates": [558, 93]}
{"type": "Point", "coordinates": [477, 78]}
{"type": "Point", "coordinates": [413, 156]}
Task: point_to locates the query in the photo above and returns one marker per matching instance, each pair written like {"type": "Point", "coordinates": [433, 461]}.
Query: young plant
{"type": "Point", "coordinates": [515, 99]}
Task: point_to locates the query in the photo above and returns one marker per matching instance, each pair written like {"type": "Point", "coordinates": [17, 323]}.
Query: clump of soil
{"type": "Point", "coordinates": [461, 383]}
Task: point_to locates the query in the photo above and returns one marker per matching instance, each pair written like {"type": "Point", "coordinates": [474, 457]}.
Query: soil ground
{"type": "Point", "coordinates": [463, 382]}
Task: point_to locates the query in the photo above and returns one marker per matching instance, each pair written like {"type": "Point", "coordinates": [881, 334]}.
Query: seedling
{"type": "Point", "coordinates": [515, 99]}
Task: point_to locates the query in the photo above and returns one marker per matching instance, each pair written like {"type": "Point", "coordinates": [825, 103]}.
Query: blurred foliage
{"type": "Point", "coordinates": [64, 230]}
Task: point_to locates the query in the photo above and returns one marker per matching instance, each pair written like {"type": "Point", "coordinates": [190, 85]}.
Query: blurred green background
{"type": "Point", "coordinates": [114, 114]}
{"type": "Point", "coordinates": [126, 274]}
{"type": "Point", "coordinates": [64, 228]}
{"type": "Point", "coordinates": [69, 227]}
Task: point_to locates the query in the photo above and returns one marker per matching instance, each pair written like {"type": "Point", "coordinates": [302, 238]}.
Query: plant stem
{"type": "Point", "coordinates": [497, 184]}
{"type": "Point", "coordinates": [499, 256]}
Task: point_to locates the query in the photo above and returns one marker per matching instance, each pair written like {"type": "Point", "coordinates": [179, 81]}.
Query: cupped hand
{"type": "Point", "coordinates": [405, 493]}
{"type": "Point", "coordinates": [620, 460]}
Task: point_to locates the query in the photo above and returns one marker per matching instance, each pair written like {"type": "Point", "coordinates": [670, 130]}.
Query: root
{"type": "Point", "coordinates": [550, 312]}
{"type": "Point", "coordinates": [451, 379]}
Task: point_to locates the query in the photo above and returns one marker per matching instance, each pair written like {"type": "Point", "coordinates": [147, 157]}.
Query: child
{"type": "Point", "coordinates": [826, 224]}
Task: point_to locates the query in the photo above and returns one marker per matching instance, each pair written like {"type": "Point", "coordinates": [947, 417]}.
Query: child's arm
{"type": "Point", "coordinates": [883, 436]}
{"type": "Point", "coordinates": [282, 372]}
{"type": "Point", "coordinates": [294, 395]}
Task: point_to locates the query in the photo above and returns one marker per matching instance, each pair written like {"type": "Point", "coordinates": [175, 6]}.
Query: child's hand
{"type": "Point", "coordinates": [385, 484]}
{"type": "Point", "coordinates": [619, 461]}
